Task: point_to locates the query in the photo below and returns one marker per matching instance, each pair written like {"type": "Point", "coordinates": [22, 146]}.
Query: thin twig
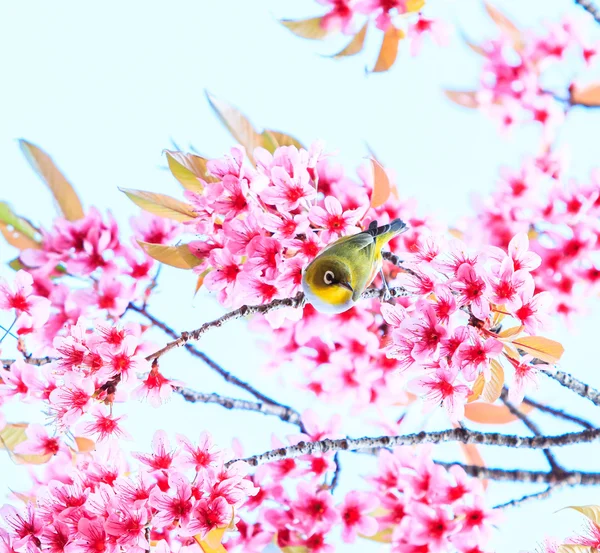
{"type": "Point", "coordinates": [297, 301]}
{"type": "Point", "coordinates": [532, 426]}
{"type": "Point", "coordinates": [284, 413]}
{"type": "Point", "coordinates": [452, 435]}
{"type": "Point", "coordinates": [575, 385]}
{"type": "Point", "coordinates": [336, 475]}
{"type": "Point", "coordinates": [39, 361]}
{"type": "Point", "coordinates": [558, 413]}
{"type": "Point", "coordinates": [532, 496]}
{"type": "Point", "coordinates": [227, 376]}
{"type": "Point", "coordinates": [570, 478]}
{"type": "Point", "coordinates": [589, 7]}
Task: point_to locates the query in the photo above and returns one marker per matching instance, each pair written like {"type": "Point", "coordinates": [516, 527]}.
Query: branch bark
{"type": "Point", "coordinates": [558, 413]}
{"type": "Point", "coordinates": [452, 435]}
{"type": "Point", "coordinates": [531, 497]}
{"type": "Point", "coordinates": [531, 426]}
{"type": "Point", "coordinates": [589, 7]}
{"type": "Point", "coordinates": [574, 384]}
{"type": "Point", "coordinates": [282, 412]}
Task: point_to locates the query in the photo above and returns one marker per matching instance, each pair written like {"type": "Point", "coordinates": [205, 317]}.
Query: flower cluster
{"type": "Point", "coordinates": [518, 64]}
{"type": "Point", "coordinates": [92, 368]}
{"type": "Point", "coordinates": [98, 504]}
{"type": "Point", "coordinates": [562, 223]}
{"type": "Point", "coordinates": [82, 268]}
{"type": "Point", "coordinates": [411, 503]}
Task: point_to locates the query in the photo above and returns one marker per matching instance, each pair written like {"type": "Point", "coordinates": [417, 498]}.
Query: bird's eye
{"type": "Point", "coordinates": [328, 277]}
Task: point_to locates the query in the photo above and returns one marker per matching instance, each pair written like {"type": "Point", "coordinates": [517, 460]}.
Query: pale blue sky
{"type": "Point", "coordinates": [104, 87]}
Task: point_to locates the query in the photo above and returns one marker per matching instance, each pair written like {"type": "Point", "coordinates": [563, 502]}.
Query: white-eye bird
{"type": "Point", "coordinates": [335, 279]}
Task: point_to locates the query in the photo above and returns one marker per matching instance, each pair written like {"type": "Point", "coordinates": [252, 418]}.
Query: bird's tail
{"type": "Point", "coordinates": [385, 233]}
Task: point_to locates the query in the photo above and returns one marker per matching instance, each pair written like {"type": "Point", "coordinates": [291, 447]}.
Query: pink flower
{"type": "Point", "coordinates": [161, 456]}
{"type": "Point", "coordinates": [91, 538]}
{"type": "Point", "coordinates": [56, 537]}
{"type": "Point", "coordinates": [477, 518]}
{"type": "Point", "coordinates": [339, 17]}
{"type": "Point", "coordinates": [471, 289]}
{"type": "Point", "coordinates": [518, 252]}
{"type": "Point", "coordinates": [104, 425]}
{"type": "Point", "coordinates": [224, 273]}
{"type": "Point", "coordinates": [438, 386]}
{"type": "Point", "coordinates": [526, 378]}
{"type": "Point", "coordinates": [288, 193]}
{"type": "Point", "coordinates": [506, 283]}
{"type": "Point", "coordinates": [425, 332]}
{"type": "Point", "coordinates": [38, 442]}
{"type": "Point", "coordinates": [126, 361]}
{"type": "Point", "coordinates": [264, 256]}
{"type": "Point", "coordinates": [18, 380]}
{"type": "Point", "coordinates": [475, 357]}
{"type": "Point", "coordinates": [316, 508]}
{"type": "Point", "coordinates": [128, 527]}
{"type": "Point", "coordinates": [155, 388]}
{"type": "Point", "coordinates": [417, 30]}
{"type": "Point", "coordinates": [256, 290]}
{"type": "Point", "coordinates": [207, 515]}
{"type": "Point", "coordinates": [239, 233]}
{"type": "Point", "coordinates": [382, 9]}
{"type": "Point", "coordinates": [172, 507]}
{"type": "Point", "coordinates": [198, 457]}
{"type": "Point", "coordinates": [112, 295]}
{"type": "Point", "coordinates": [333, 220]}
{"type": "Point", "coordinates": [231, 196]}
{"type": "Point", "coordinates": [355, 518]}
{"type": "Point", "coordinates": [26, 529]}
{"type": "Point", "coordinates": [23, 301]}
{"type": "Point", "coordinates": [432, 526]}
{"type": "Point", "coordinates": [154, 229]}
{"type": "Point", "coordinates": [532, 310]}
{"type": "Point", "coordinates": [71, 400]}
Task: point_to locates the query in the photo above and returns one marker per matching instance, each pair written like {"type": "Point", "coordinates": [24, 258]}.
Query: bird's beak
{"type": "Point", "coordinates": [346, 285]}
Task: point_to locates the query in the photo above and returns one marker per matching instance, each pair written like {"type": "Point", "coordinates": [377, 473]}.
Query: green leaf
{"type": "Point", "coordinates": [61, 188]}
{"type": "Point", "coordinates": [307, 28]}
{"type": "Point", "coordinates": [17, 231]}
{"type": "Point", "coordinates": [187, 169]}
{"type": "Point", "coordinates": [176, 256]}
{"type": "Point", "coordinates": [160, 204]}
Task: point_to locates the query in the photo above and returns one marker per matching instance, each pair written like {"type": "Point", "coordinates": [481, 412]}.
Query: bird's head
{"type": "Point", "coordinates": [327, 284]}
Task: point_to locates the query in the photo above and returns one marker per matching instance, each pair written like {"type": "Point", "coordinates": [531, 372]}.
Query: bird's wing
{"type": "Point", "coordinates": [359, 241]}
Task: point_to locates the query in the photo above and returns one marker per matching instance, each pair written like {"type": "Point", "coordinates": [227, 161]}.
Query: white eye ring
{"type": "Point", "coordinates": [328, 277]}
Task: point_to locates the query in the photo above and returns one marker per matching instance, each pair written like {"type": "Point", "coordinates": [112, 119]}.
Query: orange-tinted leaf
{"type": "Point", "coordinates": [200, 280]}
{"type": "Point", "coordinates": [414, 5]}
{"type": "Point", "coordinates": [24, 497]}
{"type": "Point", "coordinates": [465, 98]}
{"type": "Point", "coordinates": [160, 204]}
{"type": "Point", "coordinates": [486, 413]}
{"type": "Point", "coordinates": [510, 332]}
{"type": "Point", "coordinates": [295, 549]}
{"type": "Point", "coordinates": [84, 445]}
{"type": "Point", "coordinates": [540, 347]}
{"type": "Point", "coordinates": [61, 188]}
{"type": "Point", "coordinates": [456, 233]}
{"type": "Point", "coordinates": [505, 25]}
{"type": "Point", "coordinates": [473, 456]}
{"type": "Point", "coordinates": [592, 512]}
{"type": "Point", "coordinates": [574, 548]}
{"type": "Point", "coordinates": [187, 169]}
{"type": "Point", "coordinates": [511, 352]}
{"type": "Point", "coordinates": [383, 536]}
{"type": "Point", "coordinates": [389, 49]}
{"type": "Point", "coordinates": [355, 45]}
{"type": "Point", "coordinates": [211, 543]}
{"type": "Point", "coordinates": [381, 185]}
{"type": "Point", "coordinates": [493, 387]}
{"type": "Point", "coordinates": [237, 124]}
{"type": "Point", "coordinates": [17, 231]}
{"type": "Point", "coordinates": [306, 28]}
{"type": "Point", "coordinates": [283, 139]}
{"type": "Point", "coordinates": [586, 96]}
{"type": "Point", "coordinates": [477, 389]}
{"type": "Point", "coordinates": [175, 256]}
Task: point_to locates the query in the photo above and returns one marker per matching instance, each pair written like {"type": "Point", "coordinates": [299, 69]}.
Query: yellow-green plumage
{"type": "Point", "coordinates": [337, 277]}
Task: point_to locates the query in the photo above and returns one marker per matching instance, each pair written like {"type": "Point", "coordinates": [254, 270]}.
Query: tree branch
{"type": "Point", "coordinates": [589, 7]}
{"type": "Point", "coordinates": [296, 302]}
{"type": "Point", "coordinates": [38, 361]}
{"type": "Point", "coordinates": [532, 426]}
{"type": "Point", "coordinates": [558, 413]}
{"type": "Point", "coordinates": [452, 435]}
{"type": "Point", "coordinates": [531, 497]}
{"type": "Point", "coordinates": [284, 413]}
{"type": "Point", "coordinates": [575, 385]}
{"type": "Point", "coordinates": [227, 376]}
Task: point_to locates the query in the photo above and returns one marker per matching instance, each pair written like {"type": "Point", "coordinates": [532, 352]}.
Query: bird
{"type": "Point", "coordinates": [335, 279]}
